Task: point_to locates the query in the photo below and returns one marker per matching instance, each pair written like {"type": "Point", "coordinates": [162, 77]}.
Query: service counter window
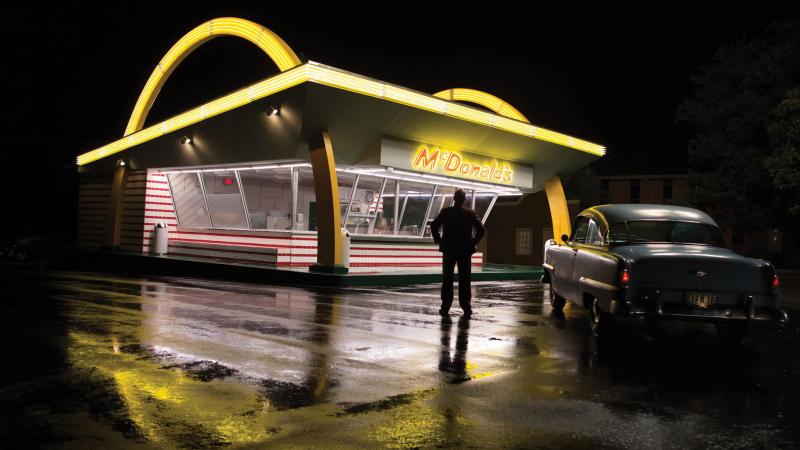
{"type": "Point", "coordinates": [442, 199]}
{"type": "Point", "coordinates": [414, 198]}
{"type": "Point", "coordinates": [483, 203]}
{"type": "Point", "coordinates": [283, 198]}
{"type": "Point", "coordinates": [366, 204]}
{"type": "Point", "coordinates": [346, 181]}
{"type": "Point", "coordinates": [306, 201]}
{"type": "Point", "coordinates": [388, 209]}
{"type": "Point", "coordinates": [268, 195]}
{"type": "Point", "coordinates": [224, 200]}
{"type": "Point", "coordinates": [187, 196]}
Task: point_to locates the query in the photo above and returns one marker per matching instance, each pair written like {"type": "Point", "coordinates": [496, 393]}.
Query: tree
{"type": "Point", "coordinates": [730, 112]}
{"type": "Point", "coordinates": [584, 185]}
{"type": "Point", "coordinates": [784, 163]}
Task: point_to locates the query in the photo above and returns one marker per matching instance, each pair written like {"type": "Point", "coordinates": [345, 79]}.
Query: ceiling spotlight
{"type": "Point", "coordinates": [272, 110]}
{"type": "Point", "coordinates": [186, 140]}
{"type": "Point", "coordinates": [121, 163]}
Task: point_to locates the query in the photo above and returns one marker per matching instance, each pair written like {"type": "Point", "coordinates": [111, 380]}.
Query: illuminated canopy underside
{"type": "Point", "coordinates": [319, 74]}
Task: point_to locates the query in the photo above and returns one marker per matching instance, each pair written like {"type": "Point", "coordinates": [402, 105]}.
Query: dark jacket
{"type": "Point", "coordinates": [458, 224]}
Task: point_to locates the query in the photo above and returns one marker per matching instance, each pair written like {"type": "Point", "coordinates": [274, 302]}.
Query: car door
{"type": "Point", "coordinates": [565, 260]}
{"type": "Point", "coordinates": [592, 262]}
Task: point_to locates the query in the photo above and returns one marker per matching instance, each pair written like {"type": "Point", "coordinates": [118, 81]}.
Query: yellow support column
{"type": "Point", "coordinates": [329, 222]}
{"type": "Point", "coordinates": [559, 213]}
{"type": "Point", "coordinates": [115, 205]}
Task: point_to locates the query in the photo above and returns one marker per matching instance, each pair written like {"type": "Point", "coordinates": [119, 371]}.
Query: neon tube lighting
{"type": "Point", "coordinates": [493, 187]}
{"type": "Point", "coordinates": [320, 74]}
{"type": "Point", "coordinates": [447, 182]}
{"type": "Point", "coordinates": [227, 169]}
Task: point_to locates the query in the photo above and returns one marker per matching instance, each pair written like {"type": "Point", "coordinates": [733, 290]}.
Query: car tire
{"type": "Point", "coordinates": [557, 302]}
{"type": "Point", "coordinates": [602, 323]}
{"type": "Point", "coordinates": [731, 332]}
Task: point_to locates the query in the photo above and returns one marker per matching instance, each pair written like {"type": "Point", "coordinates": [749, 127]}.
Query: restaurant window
{"type": "Point", "coordinates": [224, 199]}
{"type": "Point", "coordinates": [187, 195]}
{"type": "Point", "coordinates": [268, 194]}
{"type": "Point", "coordinates": [483, 201]}
{"type": "Point", "coordinates": [636, 189]}
{"type": "Point", "coordinates": [346, 181]}
{"type": "Point", "coordinates": [306, 200]}
{"type": "Point", "coordinates": [523, 242]}
{"type": "Point", "coordinates": [414, 198]}
{"type": "Point", "coordinates": [385, 221]}
{"type": "Point", "coordinates": [667, 190]}
{"type": "Point", "coordinates": [442, 199]}
{"type": "Point", "coordinates": [366, 204]}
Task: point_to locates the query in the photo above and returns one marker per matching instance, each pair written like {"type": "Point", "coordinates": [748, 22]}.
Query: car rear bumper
{"type": "Point", "coordinates": [746, 310]}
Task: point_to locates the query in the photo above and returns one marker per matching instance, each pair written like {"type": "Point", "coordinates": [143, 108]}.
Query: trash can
{"type": "Point", "coordinates": [161, 239]}
{"type": "Point", "coordinates": [345, 248]}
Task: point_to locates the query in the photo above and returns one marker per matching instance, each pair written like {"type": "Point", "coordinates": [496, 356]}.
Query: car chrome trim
{"type": "Point", "coordinates": [597, 284]}
{"type": "Point", "coordinates": [548, 266]}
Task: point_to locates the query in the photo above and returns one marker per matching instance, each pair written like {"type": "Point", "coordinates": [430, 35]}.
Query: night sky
{"type": "Point", "coordinates": [609, 72]}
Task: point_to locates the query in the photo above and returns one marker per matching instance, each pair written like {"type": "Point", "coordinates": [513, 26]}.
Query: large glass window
{"type": "Point", "coordinates": [483, 201]}
{"type": "Point", "coordinates": [284, 198]}
{"type": "Point", "coordinates": [345, 190]}
{"type": "Point", "coordinates": [385, 220]}
{"type": "Point", "coordinates": [268, 194]}
{"type": "Point", "coordinates": [442, 199]}
{"type": "Point", "coordinates": [306, 200]}
{"type": "Point", "coordinates": [224, 200]}
{"type": "Point", "coordinates": [187, 195]}
{"type": "Point", "coordinates": [414, 198]}
{"type": "Point", "coordinates": [365, 205]}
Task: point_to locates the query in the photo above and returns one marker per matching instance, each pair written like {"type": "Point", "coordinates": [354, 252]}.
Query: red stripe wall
{"type": "Point", "coordinates": [94, 199]}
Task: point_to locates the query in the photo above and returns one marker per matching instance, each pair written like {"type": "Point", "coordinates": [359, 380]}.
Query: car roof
{"type": "Point", "coordinates": [618, 213]}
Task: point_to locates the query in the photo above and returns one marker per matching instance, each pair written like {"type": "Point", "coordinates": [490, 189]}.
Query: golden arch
{"type": "Point", "coordinates": [280, 52]}
{"type": "Point", "coordinates": [559, 213]}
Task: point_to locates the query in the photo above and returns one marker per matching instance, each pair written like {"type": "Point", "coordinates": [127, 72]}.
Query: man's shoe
{"type": "Point", "coordinates": [444, 313]}
{"type": "Point", "coordinates": [468, 314]}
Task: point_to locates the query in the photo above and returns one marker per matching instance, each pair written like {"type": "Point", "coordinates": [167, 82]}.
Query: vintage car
{"type": "Point", "coordinates": [659, 262]}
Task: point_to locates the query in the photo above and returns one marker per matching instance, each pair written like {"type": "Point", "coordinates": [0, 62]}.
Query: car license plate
{"type": "Point", "coordinates": [701, 299]}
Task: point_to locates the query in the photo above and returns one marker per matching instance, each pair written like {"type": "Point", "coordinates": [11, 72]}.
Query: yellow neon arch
{"type": "Point", "coordinates": [484, 99]}
{"type": "Point", "coordinates": [280, 52]}
{"type": "Point", "coordinates": [559, 213]}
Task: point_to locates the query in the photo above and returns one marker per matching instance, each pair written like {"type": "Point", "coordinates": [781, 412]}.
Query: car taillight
{"type": "Point", "coordinates": [776, 283]}
{"type": "Point", "coordinates": [625, 277]}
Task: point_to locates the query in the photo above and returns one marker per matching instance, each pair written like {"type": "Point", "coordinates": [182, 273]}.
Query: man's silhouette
{"type": "Point", "coordinates": [462, 230]}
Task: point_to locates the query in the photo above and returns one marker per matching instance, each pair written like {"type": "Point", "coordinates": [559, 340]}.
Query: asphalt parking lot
{"type": "Point", "coordinates": [100, 361]}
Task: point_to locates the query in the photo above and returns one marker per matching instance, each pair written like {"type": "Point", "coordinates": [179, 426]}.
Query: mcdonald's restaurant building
{"type": "Point", "coordinates": [271, 174]}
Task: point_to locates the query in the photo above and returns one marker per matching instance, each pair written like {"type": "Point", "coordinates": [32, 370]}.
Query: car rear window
{"type": "Point", "coordinates": [643, 231]}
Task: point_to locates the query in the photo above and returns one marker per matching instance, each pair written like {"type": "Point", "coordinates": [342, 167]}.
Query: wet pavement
{"type": "Point", "coordinates": [101, 361]}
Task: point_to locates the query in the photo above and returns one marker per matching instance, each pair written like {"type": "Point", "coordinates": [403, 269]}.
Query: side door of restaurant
{"type": "Point", "coordinates": [564, 261]}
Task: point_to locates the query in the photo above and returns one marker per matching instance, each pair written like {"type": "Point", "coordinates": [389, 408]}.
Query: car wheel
{"type": "Point", "coordinates": [21, 255]}
{"type": "Point", "coordinates": [602, 322]}
{"type": "Point", "coordinates": [556, 301]}
{"type": "Point", "coordinates": [732, 332]}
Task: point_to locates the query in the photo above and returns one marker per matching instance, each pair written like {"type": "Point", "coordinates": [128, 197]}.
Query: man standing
{"type": "Point", "coordinates": [462, 232]}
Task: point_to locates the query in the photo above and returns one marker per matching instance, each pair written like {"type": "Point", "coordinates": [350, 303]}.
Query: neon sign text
{"type": "Point", "coordinates": [453, 163]}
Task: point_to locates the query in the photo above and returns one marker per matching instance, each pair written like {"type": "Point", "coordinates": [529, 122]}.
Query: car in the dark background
{"type": "Point", "coordinates": [26, 248]}
{"type": "Point", "coordinates": [659, 262]}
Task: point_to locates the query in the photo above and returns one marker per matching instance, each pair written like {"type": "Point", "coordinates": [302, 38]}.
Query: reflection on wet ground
{"type": "Point", "coordinates": [103, 361]}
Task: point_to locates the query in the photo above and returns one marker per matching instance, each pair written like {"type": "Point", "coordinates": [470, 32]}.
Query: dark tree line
{"type": "Point", "coordinates": [744, 115]}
